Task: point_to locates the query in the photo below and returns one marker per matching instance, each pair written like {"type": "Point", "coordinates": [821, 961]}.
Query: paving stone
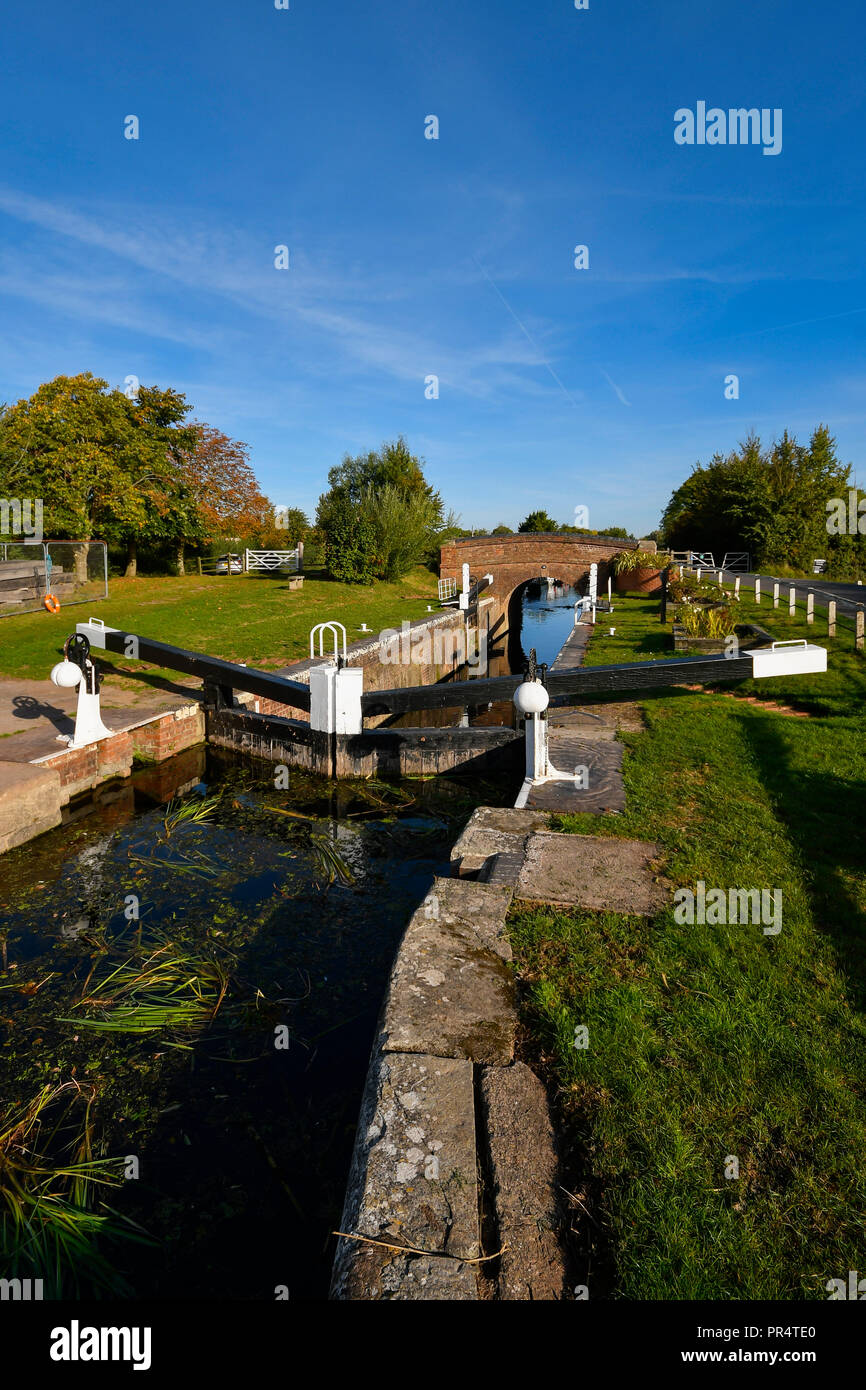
{"type": "Point", "coordinates": [523, 1167]}
{"type": "Point", "coordinates": [503, 869]}
{"type": "Point", "coordinates": [410, 1278]}
{"type": "Point", "coordinates": [508, 819]}
{"type": "Point", "coordinates": [601, 873]}
{"type": "Point", "coordinates": [413, 1181]}
{"type": "Point", "coordinates": [574, 647]}
{"type": "Point", "coordinates": [451, 992]}
{"type": "Point", "coordinates": [476, 846]}
{"type": "Point", "coordinates": [493, 831]}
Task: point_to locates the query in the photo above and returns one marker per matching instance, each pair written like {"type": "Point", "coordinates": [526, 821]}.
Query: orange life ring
{"type": "Point", "coordinates": [51, 603]}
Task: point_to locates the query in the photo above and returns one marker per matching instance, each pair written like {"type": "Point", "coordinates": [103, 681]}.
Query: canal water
{"type": "Point", "coordinates": [273, 917]}
{"type": "Point", "coordinates": [547, 618]}
{"type": "Point", "coordinates": [191, 969]}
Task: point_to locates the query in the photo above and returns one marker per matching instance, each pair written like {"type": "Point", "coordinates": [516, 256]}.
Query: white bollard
{"type": "Point", "coordinates": [758, 592]}
{"type": "Point", "coordinates": [792, 601]}
{"type": "Point", "coordinates": [810, 608]}
{"type": "Point", "coordinates": [775, 596]}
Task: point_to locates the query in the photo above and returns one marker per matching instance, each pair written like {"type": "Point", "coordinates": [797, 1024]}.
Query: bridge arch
{"type": "Point", "coordinates": [513, 560]}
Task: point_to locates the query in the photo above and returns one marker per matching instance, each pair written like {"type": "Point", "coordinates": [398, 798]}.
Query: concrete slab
{"type": "Point", "coordinates": [523, 1168]}
{"type": "Point", "coordinates": [601, 873]}
{"type": "Point", "coordinates": [507, 819]}
{"type": "Point", "coordinates": [35, 744]}
{"type": "Point", "coordinates": [28, 705]}
{"type": "Point", "coordinates": [413, 1181]}
{"type": "Point", "coordinates": [605, 792]}
{"type": "Point", "coordinates": [450, 992]}
{"type": "Point", "coordinates": [603, 719]}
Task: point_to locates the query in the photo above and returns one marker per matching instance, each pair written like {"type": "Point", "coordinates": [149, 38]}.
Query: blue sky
{"type": "Point", "coordinates": [454, 257]}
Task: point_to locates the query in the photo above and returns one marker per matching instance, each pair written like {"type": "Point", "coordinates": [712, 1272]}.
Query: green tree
{"type": "Point", "coordinates": [403, 525]}
{"type": "Point", "coordinates": [105, 466]}
{"type": "Point", "coordinates": [538, 521]}
{"type": "Point", "coordinates": [771, 502]}
{"type": "Point", "coordinates": [372, 497]}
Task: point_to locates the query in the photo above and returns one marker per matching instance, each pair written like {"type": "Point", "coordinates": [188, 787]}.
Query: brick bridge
{"type": "Point", "coordinates": [512, 560]}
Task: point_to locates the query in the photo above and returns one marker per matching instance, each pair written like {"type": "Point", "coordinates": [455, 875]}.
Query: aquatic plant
{"type": "Point", "coordinates": [169, 992]}
{"type": "Point", "coordinates": [197, 810]}
{"type": "Point", "coordinates": [329, 860]}
{"type": "Point", "coordinates": [49, 1225]}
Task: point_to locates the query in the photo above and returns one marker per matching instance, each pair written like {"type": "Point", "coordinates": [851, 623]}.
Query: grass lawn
{"type": "Point", "coordinates": [712, 1041]}
{"type": "Point", "coordinates": [239, 618]}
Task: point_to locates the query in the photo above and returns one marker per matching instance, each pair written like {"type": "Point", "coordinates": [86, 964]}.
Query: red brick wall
{"type": "Point", "coordinates": [162, 738]}
{"type": "Point", "coordinates": [514, 559]}
{"type": "Point", "coordinates": [82, 768]}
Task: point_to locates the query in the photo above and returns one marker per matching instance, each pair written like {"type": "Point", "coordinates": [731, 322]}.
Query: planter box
{"type": "Point", "coordinates": [693, 645]}
{"type": "Point", "coordinates": [638, 582]}
{"type": "Point", "coordinates": [749, 634]}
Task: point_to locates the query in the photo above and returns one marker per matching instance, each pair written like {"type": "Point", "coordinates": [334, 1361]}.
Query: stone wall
{"type": "Point", "coordinates": [32, 794]}
{"type": "Point", "coordinates": [453, 1192]}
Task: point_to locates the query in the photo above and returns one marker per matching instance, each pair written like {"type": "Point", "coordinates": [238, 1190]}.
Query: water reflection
{"type": "Point", "coordinates": [546, 616]}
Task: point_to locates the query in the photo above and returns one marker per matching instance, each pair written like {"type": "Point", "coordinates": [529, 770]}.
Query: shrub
{"type": "Point", "coordinates": [350, 544]}
{"type": "Point", "coordinates": [402, 524]}
{"type": "Point", "coordinates": [691, 590]}
{"type": "Point", "coordinates": [627, 561]}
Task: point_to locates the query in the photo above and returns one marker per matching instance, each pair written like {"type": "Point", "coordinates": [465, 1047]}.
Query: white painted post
{"type": "Point", "coordinates": [737, 587]}
{"type": "Point", "coordinates": [810, 608]}
{"type": "Point", "coordinates": [775, 596]}
{"type": "Point", "coordinates": [792, 601]}
{"type": "Point", "coordinates": [858, 631]}
{"type": "Point", "coordinates": [246, 560]}
{"type": "Point", "coordinates": [719, 577]}
{"type": "Point", "coordinates": [536, 747]}
{"type": "Point", "coordinates": [610, 590]}
{"type": "Point", "coordinates": [699, 574]}
{"type": "Point", "coordinates": [758, 592]}
{"type": "Point", "coordinates": [831, 618]}
{"type": "Point", "coordinates": [335, 699]}
{"type": "Point", "coordinates": [464, 594]}
{"type": "Point", "coordinates": [593, 588]}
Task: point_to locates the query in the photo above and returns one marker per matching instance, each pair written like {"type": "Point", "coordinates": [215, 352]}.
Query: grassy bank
{"type": "Point", "coordinates": [707, 1042]}
{"type": "Point", "coordinates": [239, 618]}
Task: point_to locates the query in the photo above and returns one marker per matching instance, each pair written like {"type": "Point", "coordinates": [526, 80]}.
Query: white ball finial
{"type": "Point", "coordinates": [531, 698]}
{"type": "Point", "coordinates": [66, 673]}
